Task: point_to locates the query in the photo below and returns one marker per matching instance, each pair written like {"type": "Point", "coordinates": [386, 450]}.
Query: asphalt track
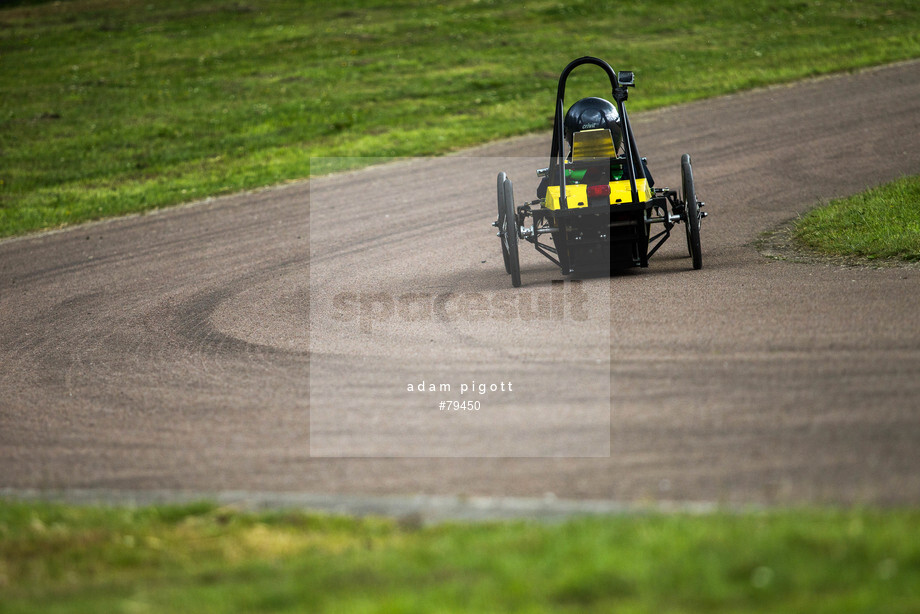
{"type": "Point", "coordinates": [171, 352]}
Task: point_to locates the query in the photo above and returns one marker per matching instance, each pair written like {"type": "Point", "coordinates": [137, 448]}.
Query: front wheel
{"type": "Point", "coordinates": [500, 223]}
{"type": "Point", "coordinates": [510, 234]}
{"type": "Point", "coordinates": [691, 212]}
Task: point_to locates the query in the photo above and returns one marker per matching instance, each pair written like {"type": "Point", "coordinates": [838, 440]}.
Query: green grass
{"type": "Point", "coordinates": [201, 558]}
{"type": "Point", "coordinates": [116, 106]}
{"type": "Point", "coordinates": [882, 223]}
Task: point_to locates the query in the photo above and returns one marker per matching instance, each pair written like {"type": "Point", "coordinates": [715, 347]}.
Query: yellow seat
{"type": "Point", "coordinates": [596, 143]}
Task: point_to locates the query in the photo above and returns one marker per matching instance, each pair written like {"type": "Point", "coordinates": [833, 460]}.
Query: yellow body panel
{"type": "Point", "coordinates": [577, 194]}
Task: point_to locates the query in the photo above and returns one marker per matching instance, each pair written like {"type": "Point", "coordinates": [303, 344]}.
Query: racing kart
{"type": "Point", "coordinates": [598, 204]}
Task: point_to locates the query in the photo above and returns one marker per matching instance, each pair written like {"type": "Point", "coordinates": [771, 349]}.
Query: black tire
{"type": "Point", "coordinates": [510, 234]}
{"type": "Point", "coordinates": [691, 212]}
{"type": "Point", "coordinates": [501, 219]}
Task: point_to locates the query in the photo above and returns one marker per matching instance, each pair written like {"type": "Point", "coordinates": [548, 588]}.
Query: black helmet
{"type": "Point", "coordinates": [590, 114]}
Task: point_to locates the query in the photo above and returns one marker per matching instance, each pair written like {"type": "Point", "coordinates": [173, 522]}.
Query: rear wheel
{"type": "Point", "coordinates": [691, 212]}
{"type": "Point", "coordinates": [510, 234]}
{"type": "Point", "coordinates": [500, 224]}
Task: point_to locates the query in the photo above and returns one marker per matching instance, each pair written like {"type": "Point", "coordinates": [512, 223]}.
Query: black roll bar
{"type": "Point", "coordinates": [557, 152]}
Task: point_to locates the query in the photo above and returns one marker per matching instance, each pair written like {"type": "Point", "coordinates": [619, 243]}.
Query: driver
{"type": "Point", "coordinates": [592, 114]}
{"type": "Point", "coordinates": [588, 114]}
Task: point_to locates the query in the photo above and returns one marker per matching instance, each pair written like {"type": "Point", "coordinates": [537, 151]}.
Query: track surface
{"type": "Point", "coordinates": [170, 351]}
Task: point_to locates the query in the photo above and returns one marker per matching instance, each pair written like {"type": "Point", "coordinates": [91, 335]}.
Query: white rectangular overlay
{"type": "Point", "coordinates": [419, 344]}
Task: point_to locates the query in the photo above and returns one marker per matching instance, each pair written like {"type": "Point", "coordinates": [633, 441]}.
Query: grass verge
{"type": "Point", "coordinates": [882, 223]}
{"type": "Point", "coordinates": [207, 559]}
{"type": "Point", "coordinates": [115, 107]}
